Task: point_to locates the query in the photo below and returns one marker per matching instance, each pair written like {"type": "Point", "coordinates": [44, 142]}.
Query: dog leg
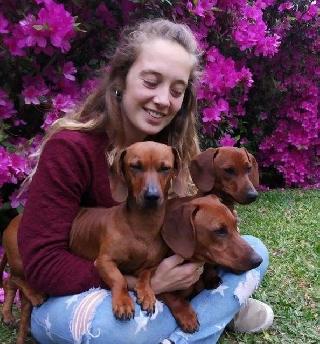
{"type": "Point", "coordinates": [10, 290]}
{"type": "Point", "coordinates": [33, 296]}
{"type": "Point", "coordinates": [145, 294]}
{"type": "Point", "coordinates": [210, 277]}
{"type": "Point", "coordinates": [24, 325]}
{"type": "Point", "coordinates": [122, 304]}
{"type": "Point", "coordinates": [182, 311]}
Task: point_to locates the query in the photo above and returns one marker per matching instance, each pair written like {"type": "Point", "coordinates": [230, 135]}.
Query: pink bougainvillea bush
{"type": "Point", "coordinates": [259, 87]}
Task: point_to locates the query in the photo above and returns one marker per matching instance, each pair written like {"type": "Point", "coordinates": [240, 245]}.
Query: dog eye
{"type": "Point", "coordinates": [221, 232]}
{"type": "Point", "coordinates": [229, 170]}
{"type": "Point", "coordinates": [249, 169]}
{"type": "Point", "coordinates": [136, 167]}
{"type": "Point", "coordinates": [164, 169]}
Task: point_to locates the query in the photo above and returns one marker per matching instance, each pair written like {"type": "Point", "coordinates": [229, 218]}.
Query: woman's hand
{"type": "Point", "coordinates": [172, 275]}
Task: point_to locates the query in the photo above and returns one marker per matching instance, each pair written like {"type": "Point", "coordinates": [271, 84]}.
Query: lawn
{"type": "Point", "coordinates": [288, 222]}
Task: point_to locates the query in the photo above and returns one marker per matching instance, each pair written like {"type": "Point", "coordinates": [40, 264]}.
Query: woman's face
{"type": "Point", "coordinates": [155, 87]}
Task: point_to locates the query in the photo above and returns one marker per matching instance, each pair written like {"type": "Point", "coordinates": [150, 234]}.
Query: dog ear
{"type": "Point", "coordinates": [201, 169]}
{"type": "Point", "coordinates": [254, 173]}
{"type": "Point", "coordinates": [118, 185]}
{"type": "Point", "coordinates": [177, 184]}
{"type": "Point", "coordinates": [178, 230]}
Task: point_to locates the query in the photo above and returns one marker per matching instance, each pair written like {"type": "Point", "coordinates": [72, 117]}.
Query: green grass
{"type": "Point", "coordinates": [288, 222]}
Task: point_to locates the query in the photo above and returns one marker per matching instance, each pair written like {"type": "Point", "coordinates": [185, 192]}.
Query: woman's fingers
{"type": "Point", "coordinates": [171, 274]}
{"type": "Point", "coordinates": [172, 261]}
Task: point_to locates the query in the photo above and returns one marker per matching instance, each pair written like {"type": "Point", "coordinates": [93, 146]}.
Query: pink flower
{"type": "Point", "coordinates": [311, 13]}
{"type": "Point", "coordinates": [19, 167]}
{"type": "Point", "coordinates": [213, 114]}
{"type": "Point", "coordinates": [3, 24]}
{"type": "Point", "coordinates": [68, 70]}
{"type": "Point", "coordinates": [50, 118]}
{"type": "Point", "coordinates": [285, 6]}
{"type": "Point", "coordinates": [58, 25]}
{"type": "Point", "coordinates": [227, 140]}
{"type": "Point", "coordinates": [106, 15]}
{"type": "Point", "coordinates": [34, 35]}
{"type": "Point", "coordinates": [4, 166]}
{"type": "Point", "coordinates": [34, 88]}
{"type": "Point", "coordinates": [63, 103]}
{"type": "Point", "coordinates": [13, 167]}
{"type": "Point", "coordinates": [18, 199]}
{"type": "Point", "coordinates": [250, 32]}
{"type": "Point", "coordinates": [88, 86]}
{"type": "Point", "coordinates": [6, 106]}
{"type": "Point", "coordinates": [15, 42]}
{"type": "Point", "coordinates": [202, 7]}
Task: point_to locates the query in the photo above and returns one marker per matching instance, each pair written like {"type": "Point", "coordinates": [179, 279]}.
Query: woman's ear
{"type": "Point", "coordinates": [118, 184]}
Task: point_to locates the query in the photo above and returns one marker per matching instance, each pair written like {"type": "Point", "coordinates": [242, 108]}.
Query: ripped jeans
{"type": "Point", "coordinates": [87, 318]}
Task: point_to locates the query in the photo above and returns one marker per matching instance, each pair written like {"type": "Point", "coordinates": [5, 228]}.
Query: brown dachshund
{"type": "Point", "coordinates": [124, 239]}
{"type": "Point", "coordinates": [16, 281]}
{"type": "Point", "coordinates": [203, 230]}
{"type": "Point", "coordinates": [127, 237]}
{"type": "Point", "coordinates": [230, 173]}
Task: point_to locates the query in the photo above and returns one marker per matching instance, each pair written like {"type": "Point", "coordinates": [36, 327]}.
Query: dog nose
{"type": "Point", "coordinates": [151, 194]}
{"type": "Point", "coordinates": [252, 195]}
{"type": "Point", "coordinates": [256, 260]}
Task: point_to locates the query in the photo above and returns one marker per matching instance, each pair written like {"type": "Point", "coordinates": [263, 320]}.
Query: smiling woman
{"type": "Point", "coordinates": [155, 87]}
{"type": "Point", "coordinates": [148, 93]}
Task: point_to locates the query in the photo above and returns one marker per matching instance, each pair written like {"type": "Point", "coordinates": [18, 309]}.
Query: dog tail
{"type": "Point", "coordinates": [3, 264]}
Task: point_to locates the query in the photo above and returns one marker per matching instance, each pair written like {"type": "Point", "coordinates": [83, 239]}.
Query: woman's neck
{"type": "Point", "coordinates": [131, 133]}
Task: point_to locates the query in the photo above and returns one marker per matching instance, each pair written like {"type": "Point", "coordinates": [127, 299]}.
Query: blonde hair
{"type": "Point", "coordinates": [102, 109]}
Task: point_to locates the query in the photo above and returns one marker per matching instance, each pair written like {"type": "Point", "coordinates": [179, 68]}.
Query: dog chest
{"type": "Point", "coordinates": [142, 254]}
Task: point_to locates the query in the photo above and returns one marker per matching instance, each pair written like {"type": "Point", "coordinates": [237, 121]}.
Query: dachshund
{"type": "Point", "coordinates": [230, 173]}
{"type": "Point", "coordinates": [124, 239]}
{"type": "Point", "coordinates": [204, 230]}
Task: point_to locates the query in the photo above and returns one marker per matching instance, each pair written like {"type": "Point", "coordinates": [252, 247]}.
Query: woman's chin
{"type": "Point", "coordinates": [151, 130]}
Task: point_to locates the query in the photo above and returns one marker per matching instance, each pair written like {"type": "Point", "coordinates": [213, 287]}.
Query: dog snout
{"type": "Point", "coordinates": [256, 260]}
{"type": "Point", "coordinates": [252, 196]}
{"type": "Point", "coordinates": [151, 194]}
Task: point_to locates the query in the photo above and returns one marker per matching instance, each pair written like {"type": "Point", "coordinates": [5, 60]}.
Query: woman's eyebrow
{"type": "Point", "coordinates": [147, 72]}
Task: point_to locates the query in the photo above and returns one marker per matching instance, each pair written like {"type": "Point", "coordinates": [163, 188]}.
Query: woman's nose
{"type": "Point", "coordinates": [162, 97]}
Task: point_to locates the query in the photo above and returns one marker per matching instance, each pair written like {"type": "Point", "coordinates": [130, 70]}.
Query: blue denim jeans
{"type": "Point", "coordinates": [87, 318]}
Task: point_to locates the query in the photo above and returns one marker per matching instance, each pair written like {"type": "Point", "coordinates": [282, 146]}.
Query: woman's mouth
{"type": "Point", "coordinates": [155, 114]}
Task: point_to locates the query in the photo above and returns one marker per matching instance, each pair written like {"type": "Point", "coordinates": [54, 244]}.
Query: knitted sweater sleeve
{"type": "Point", "coordinates": [62, 176]}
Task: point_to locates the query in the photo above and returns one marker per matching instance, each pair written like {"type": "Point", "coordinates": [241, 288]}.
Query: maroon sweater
{"type": "Point", "coordinates": [72, 172]}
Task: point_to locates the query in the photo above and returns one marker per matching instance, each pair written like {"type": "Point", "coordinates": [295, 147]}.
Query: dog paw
{"type": "Point", "coordinates": [188, 322]}
{"type": "Point", "coordinates": [9, 321]}
{"type": "Point", "coordinates": [147, 300]}
{"type": "Point", "coordinates": [37, 299]}
{"type": "Point", "coordinates": [123, 308]}
{"type": "Point", "coordinates": [215, 283]}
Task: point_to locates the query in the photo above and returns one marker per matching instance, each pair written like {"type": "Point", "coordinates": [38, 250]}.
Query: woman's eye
{"type": "Point", "coordinates": [150, 83]}
{"type": "Point", "coordinates": [177, 93]}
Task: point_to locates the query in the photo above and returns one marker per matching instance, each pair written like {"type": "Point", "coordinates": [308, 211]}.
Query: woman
{"type": "Point", "coordinates": [148, 93]}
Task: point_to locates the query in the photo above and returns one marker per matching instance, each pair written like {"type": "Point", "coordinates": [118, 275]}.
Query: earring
{"type": "Point", "coordinates": [118, 94]}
